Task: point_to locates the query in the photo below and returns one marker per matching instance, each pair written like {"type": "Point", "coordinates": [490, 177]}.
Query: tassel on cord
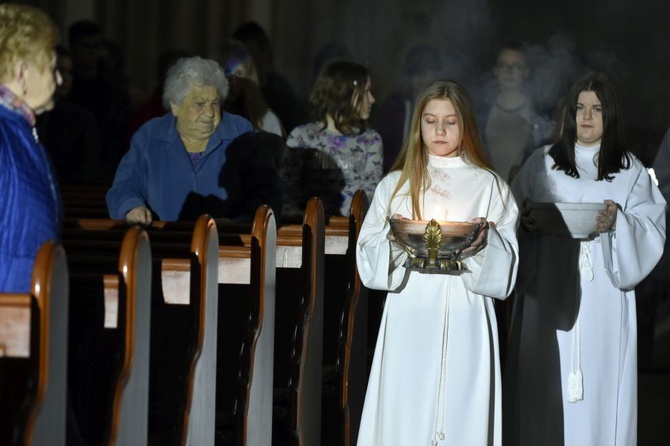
{"type": "Point", "coordinates": [576, 378]}
{"type": "Point", "coordinates": [575, 386]}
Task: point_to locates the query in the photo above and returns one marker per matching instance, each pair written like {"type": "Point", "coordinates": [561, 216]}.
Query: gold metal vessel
{"type": "Point", "coordinates": [434, 246]}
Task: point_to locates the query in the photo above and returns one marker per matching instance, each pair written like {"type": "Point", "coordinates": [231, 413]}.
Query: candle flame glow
{"type": "Point", "coordinates": [438, 213]}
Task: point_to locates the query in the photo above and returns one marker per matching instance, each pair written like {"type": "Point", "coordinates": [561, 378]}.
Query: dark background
{"type": "Point", "coordinates": [630, 40]}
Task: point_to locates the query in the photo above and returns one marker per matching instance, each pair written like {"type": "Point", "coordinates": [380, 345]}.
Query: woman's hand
{"type": "Point", "coordinates": [482, 236]}
{"type": "Point", "coordinates": [390, 235]}
{"type": "Point", "coordinates": [526, 221]}
{"type": "Point", "coordinates": [141, 215]}
{"type": "Point", "coordinates": [606, 220]}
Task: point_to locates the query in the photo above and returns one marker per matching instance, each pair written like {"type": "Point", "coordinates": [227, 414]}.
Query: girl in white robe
{"type": "Point", "coordinates": [572, 366]}
{"type": "Point", "coordinates": [435, 376]}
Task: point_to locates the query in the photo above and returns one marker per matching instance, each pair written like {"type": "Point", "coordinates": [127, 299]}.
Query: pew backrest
{"type": "Point", "coordinates": [307, 349]}
{"type": "Point", "coordinates": [251, 263]}
{"type": "Point", "coordinates": [199, 416]}
{"type": "Point", "coordinates": [352, 355]}
{"type": "Point", "coordinates": [117, 279]}
{"type": "Point", "coordinates": [50, 287]}
{"type": "Point", "coordinates": [131, 402]}
{"type": "Point", "coordinates": [41, 415]}
{"type": "Point", "coordinates": [255, 405]}
{"type": "Point", "coordinates": [187, 276]}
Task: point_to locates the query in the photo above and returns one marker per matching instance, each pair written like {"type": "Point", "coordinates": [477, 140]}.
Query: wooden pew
{"type": "Point", "coordinates": [247, 278]}
{"type": "Point", "coordinates": [87, 212]}
{"type": "Point", "coordinates": [351, 361]}
{"type": "Point", "coordinates": [186, 302]}
{"type": "Point", "coordinates": [345, 325]}
{"type": "Point", "coordinates": [352, 352]}
{"type": "Point", "coordinates": [247, 274]}
{"type": "Point", "coordinates": [184, 295]}
{"type": "Point", "coordinates": [199, 412]}
{"type": "Point", "coordinates": [84, 201]}
{"type": "Point", "coordinates": [299, 328]}
{"type": "Point", "coordinates": [298, 323]}
{"type": "Point", "coordinates": [84, 196]}
{"type": "Point", "coordinates": [300, 272]}
{"type": "Point", "coordinates": [109, 340]}
{"type": "Point", "coordinates": [33, 355]}
{"type": "Point", "coordinates": [130, 398]}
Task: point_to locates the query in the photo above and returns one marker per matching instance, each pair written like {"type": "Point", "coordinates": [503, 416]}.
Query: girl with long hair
{"type": "Point", "coordinates": [572, 364]}
{"type": "Point", "coordinates": [435, 377]}
{"type": "Point", "coordinates": [336, 154]}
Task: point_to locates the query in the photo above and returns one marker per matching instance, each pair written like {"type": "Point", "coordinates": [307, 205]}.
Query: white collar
{"type": "Point", "coordinates": [445, 161]}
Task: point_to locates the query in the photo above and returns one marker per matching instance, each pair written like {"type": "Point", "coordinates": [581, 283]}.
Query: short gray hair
{"type": "Point", "coordinates": [190, 72]}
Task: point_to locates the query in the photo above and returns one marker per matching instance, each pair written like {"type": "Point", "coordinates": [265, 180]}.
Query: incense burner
{"type": "Point", "coordinates": [434, 246]}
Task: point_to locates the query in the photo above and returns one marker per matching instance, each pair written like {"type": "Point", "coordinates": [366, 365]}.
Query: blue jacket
{"type": "Point", "coordinates": [235, 175]}
{"type": "Point", "coordinates": [30, 205]}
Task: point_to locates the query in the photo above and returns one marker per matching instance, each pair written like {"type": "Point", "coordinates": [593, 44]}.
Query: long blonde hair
{"type": "Point", "coordinates": [413, 158]}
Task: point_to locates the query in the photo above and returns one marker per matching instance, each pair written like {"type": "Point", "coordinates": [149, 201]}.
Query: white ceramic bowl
{"type": "Point", "coordinates": [577, 220]}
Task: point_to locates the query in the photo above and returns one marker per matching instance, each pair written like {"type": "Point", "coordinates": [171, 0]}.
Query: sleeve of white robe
{"type": "Point", "coordinates": [379, 261]}
{"type": "Point", "coordinates": [492, 271]}
{"type": "Point", "coordinates": [637, 244]}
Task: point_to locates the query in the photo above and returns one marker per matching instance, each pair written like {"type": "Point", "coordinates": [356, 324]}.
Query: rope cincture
{"type": "Point", "coordinates": [576, 377]}
{"type": "Point", "coordinates": [438, 435]}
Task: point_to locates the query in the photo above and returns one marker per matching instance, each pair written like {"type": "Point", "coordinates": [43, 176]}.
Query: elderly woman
{"type": "Point", "coordinates": [31, 206]}
{"type": "Point", "coordinates": [196, 159]}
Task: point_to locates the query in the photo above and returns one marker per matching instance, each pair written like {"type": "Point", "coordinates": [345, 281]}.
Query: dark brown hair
{"type": "Point", "coordinates": [337, 92]}
{"type": "Point", "coordinates": [613, 155]}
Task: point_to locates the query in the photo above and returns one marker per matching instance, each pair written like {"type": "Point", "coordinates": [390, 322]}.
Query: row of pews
{"type": "Point", "coordinates": [188, 333]}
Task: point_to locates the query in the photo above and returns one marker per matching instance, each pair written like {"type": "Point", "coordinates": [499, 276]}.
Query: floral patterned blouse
{"type": "Point", "coordinates": [331, 166]}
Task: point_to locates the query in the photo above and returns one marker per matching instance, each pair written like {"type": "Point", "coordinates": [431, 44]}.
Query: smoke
{"type": "Point", "coordinates": [380, 33]}
{"type": "Point", "coordinates": [564, 40]}
{"type": "Point", "coordinates": [554, 66]}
